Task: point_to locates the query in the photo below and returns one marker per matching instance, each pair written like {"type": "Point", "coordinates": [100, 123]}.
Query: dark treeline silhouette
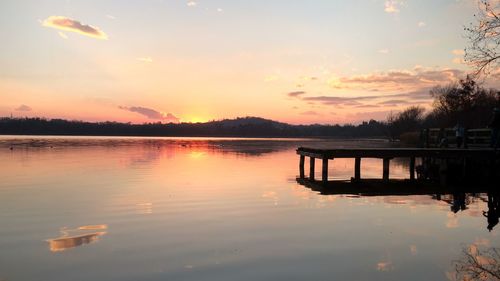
{"type": "Point", "coordinates": [240, 127]}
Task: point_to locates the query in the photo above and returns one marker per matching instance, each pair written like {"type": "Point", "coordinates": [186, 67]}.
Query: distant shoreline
{"type": "Point", "coordinates": [193, 137]}
{"type": "Point", "coordinates": [246, 127]}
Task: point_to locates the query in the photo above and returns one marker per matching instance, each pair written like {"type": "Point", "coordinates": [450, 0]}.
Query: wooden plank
{"type": "Point", "coordinates": [313, 154]}
{"type": "Point", "coordinates": [396, 152]}
{"type": "Point", "coordinates": [386, 163]}
{"type": "Point", "coordinates": [311, 167]}
{"type": "Point", "coordinates": [357, 169]}
{"type": "Point", "coordinates": [412, 168]}
{"type": "Point", "coordinates": [324, 174]}
{"type": "Point", "coordinates": [301, 166]}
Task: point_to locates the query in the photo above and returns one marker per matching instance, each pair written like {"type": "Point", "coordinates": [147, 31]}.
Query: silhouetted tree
{"type": "Point", "coordinates": [483, 52]}
{"type": "Point", "coordinates": [465, 102]}
{"type": "Point", "coordinates": [408, 120]}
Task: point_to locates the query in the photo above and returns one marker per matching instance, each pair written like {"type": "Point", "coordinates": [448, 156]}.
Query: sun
{"type": "Point", "coordinates": [195, 119]}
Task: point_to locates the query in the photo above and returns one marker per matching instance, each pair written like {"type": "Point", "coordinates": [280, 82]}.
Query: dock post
{"type": "Point", "coordinates": [426, 137]}
{"type": "Point", "coordinates": [301, 166]}
{"type": "Point", "coordinates": [357, 169]}
{"type": "Point", "coordinates": [311, 168]}
{"type": "Point", "coordinates": [386, 169]}
{"type": "Point", "coordinates": [443, 172]}
{"type": "Point", "coordinates": [466, 138]}
{"type": "Point", "coordinates": [412, 168]}
{"type": "Point", "coordinates": [324, 174]}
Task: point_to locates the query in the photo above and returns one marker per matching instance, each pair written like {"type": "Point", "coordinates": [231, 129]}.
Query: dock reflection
{"type": "Point", "coordinates": [458, 198]}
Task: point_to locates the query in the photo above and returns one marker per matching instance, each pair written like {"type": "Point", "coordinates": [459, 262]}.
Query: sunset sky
{"type": "Point", "coordinates": [294, 61]}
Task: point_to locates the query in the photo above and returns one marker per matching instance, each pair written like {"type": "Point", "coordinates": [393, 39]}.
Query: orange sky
{"type": "Point", "coordinates": [162, 61]}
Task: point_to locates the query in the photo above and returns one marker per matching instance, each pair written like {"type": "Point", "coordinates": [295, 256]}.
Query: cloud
{"type": "Point", "coordinates": [388, 89]}
{"type": "Point", "coordinates": [296, 94]}
{"type": "Point", "coordinates": [271, 78]}
{"type": "Point", "coordinates": [383, 51]}
{"type": "Point", "coordinates": [111, 17]}
{"type": "Point", "coordinates": [191, 4]}
{"type": "Point", "coordinates": [310, 112]}
{"type": "Point", "coordinates": [67, 24]}
{"type": "Point", "coordinates": [367, 106]}
{"type": "Point", "coordinates": [394, 102]}
{"type": "Point", "coordinates": [421, 24]}
{"type": "Point", "coordinates": [23, 107]}
{"type": "Point", "coordinates": [151, 113]}
{"type": "Point", "coordinates": [392, 6]}
{"type": "Point", "coordinates": [62, 35]}
{"type": "Point", "coordinates": [398, 80]}
{"type": "Point", "coordinates": [459, 56]}
{"type": "Point", "coordinates": [413, 249]}
{"type": "Point", "coordinates": [422, 95]}
{"type": "Point", "coordinates": [145, 59]}
{"type": "Point", "coordinates": [385, 266]}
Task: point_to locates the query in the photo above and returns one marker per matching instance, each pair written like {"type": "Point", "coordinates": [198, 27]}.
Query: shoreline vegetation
{"type": "Point", "coordinates": [464, 103]}
{"type": "Point", "coordinates": [249, 127]}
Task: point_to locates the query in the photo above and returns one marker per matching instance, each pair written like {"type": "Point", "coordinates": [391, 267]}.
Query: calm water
{"type": "Point", "coordinates": [217, 209]}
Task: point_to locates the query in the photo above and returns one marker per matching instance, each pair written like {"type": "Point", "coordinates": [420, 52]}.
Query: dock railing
{"type": "Point", "coordinates": [433, 137]}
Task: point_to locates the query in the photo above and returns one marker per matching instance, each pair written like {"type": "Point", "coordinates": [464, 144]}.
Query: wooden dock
{"type": "Point", "coordinates": [443, 155]}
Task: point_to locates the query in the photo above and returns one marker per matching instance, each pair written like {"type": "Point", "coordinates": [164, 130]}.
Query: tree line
{"type": "Point", "coordinates": [464, 103]}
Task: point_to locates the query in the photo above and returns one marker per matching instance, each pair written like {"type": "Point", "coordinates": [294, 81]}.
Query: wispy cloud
{"type": "Point", "coordinates": [382, 89]}
{"type": "Point", "coordinates": [385, 266]}
{"type": "Point", "coordinates": [151, 113]}
{"type": "Point", "coordinates": [392, 6]}
{"type": "Point", "coordinates": [383, 51]}
{"type": "Point", "coordinates": [394, 102]}
{"type": "Point", "coordinates": [398, 80]}
{"type": "Point", "coordinates": [111, 17]}
{"type": "Point", "coordinates": [192, 3]}
{"type": "Point", "coordinates": [310, 112]}
{"type": "Point", "coordinates": [417, 95]}
{"type": "Point", "coordinates": [68, 24]}
{"type": "Point", "coordinates": [271, 78]}
{"type": "Point", "coordinates": [296, 94]}
{"type": "Point", "coordinates": [421, 24]}
{"type": "Point", "coordinates": [145, 59]}
{"type": "Point", "coordinates": [23, 107]}
{"type": "Point", "coordinates": [459, 56]}
{"type": "Point", "coordinates": [62, 35]}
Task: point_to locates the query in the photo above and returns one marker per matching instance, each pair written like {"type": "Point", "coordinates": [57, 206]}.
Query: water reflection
{"type": "Point", "coordinates": [225, 211]}
{"type": "Point", "coordinates": [396, 192]}
{"type": "Point", "coordinates": [239, 146]}
{"type": "Point", "coordinates": [477, 263]}
{"type": "Point", "coordinates": [72, 238]}
{"type": "Point", "coordinates": [493, 212]}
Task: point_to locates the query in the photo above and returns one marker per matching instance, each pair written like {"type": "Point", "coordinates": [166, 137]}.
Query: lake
{"type": "Point", "coordinates": [111, 208]}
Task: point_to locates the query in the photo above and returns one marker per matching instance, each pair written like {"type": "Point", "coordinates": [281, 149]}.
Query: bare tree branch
{"type": "Point", "coordinates": [483, 52]}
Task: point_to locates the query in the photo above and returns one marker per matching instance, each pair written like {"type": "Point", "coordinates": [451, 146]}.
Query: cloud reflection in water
{"type": "Point", "coordinates": [67, 241]}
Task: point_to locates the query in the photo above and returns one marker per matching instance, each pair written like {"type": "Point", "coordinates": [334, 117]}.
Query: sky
{"type": "Point", "coordinates": [295, 61]}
